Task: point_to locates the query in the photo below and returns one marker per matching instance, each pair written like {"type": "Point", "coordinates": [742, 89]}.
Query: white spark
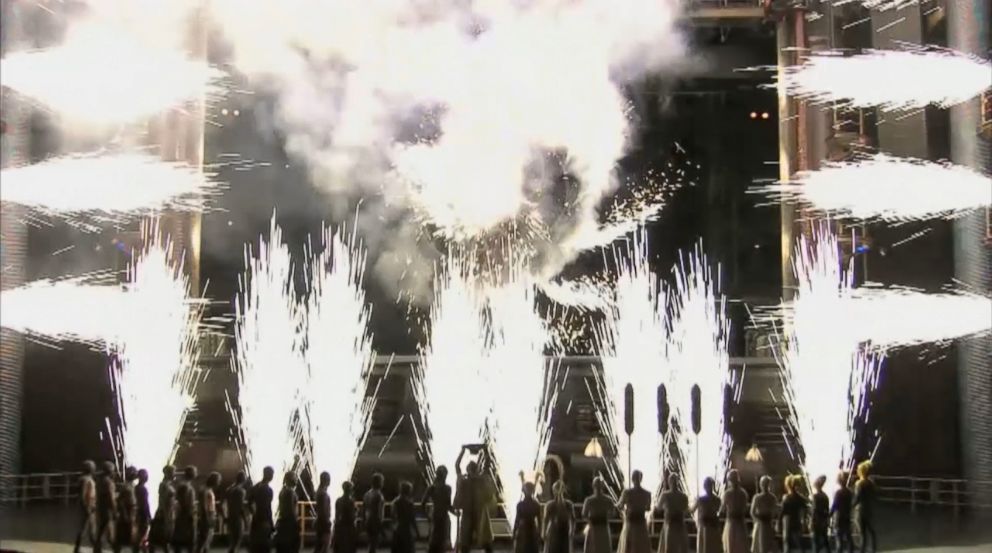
{"type": "Point", "coordinates": [698, 355]}
{"type": "Point", "coordinates": [339, 356]}
{"type": "Point", "coordinates": [890, 79]}
{"type": "Point", "coordinates": [888, 188]}
{"type": "Point", "coordinates": [268, 359]}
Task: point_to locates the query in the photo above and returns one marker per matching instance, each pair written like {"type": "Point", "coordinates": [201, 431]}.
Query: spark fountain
{"type": "Point", "coordinates": [338, 356]}
{"type": "Point", "coordinates": [268, 360]}
{"type": "Point", "coordinates": [631, 341]}
{"type": "Point", "coordinates": [900, 317]}
{"type": "Point", "coordinates": [697, 354]}
{"type": "Point", "coordinates": [886, 188]}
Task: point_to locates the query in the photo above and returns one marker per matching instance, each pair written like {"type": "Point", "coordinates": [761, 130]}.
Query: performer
{"type": "Point", "coordinates": [345, 536]}
{"type": "Point", "coordinates": [559, 521]}
{"type": "Point", "coordinates": [260, 498]}
{"type": "Point", "coordinates": [236, 512]}
{"type": "Point", "coordinates": [707, 509]}
{"type": "Point", "coordinates": [288, 537]}
{"type": "Point", "coordinates": [764, 507]}
{"type": "Point", "coordinates": [164, 522]}
{"type": "Point", "coordinates": [864, 503]}
{"type": "Point", "coordinates": [187, 512]}
{"type": "Point", "coordinates": [673, 505]}
{"type": "Point", "coordinates": [841, 511]}
{"type": "Point", "coordinates": [793, 514]}
{"type": "Point", "coordinates": [87, 505]}
{"type": "Point", "coordinates": [208, 512]}
{"type": "Point", "coordinates": [373, 509]}
{"type": "Point", "coordinates": [405, 531]}
{"type": "Point", "coordinates": [106, 507]}
{"type": "Point", "coordinates": [127, 516]}
{"type": "Point", "coordinates": [734, 508]}
{"type": "Point", "coordinates": [596, 510]}
{"type": "Point", "coordinates": [475, 497]}
{"type": "Point", "coordinates": [439, 496]}
{"type": "Point", "coordinates": [634, 503]}
{"type": "Point", "coordinates": [527, 524]}
{"type": "Point", "coordinates": [322, 524]}
{"type": "Point", "coordinates": [821, 516]}
{"type": "Point", "coordinates": [144, 512]}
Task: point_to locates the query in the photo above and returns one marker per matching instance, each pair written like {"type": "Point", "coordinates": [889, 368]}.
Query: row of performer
{"type": "Point", "coordinates": [115, 512]}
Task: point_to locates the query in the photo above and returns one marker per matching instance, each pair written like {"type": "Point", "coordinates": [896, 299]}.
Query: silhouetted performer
{"type": "Point", "coordinates": [143, 518]}
{"type": "Point", "coordinates": [559, 521]}
{"type": "Point", "coordinates": [164, 522]}
{"type": "Point", "coordinates": [208, 512]}
{"type": "Point", "coordinates": [793, 514]}
{"type": "Point", "coordinates": [596, 509]}
{"type": "Point", "coordinates": [345, 536]}
{"type": "Point", "coordinates": [322, 522]}
{"type": "Point", "coordinates": [187, 513]}
{"type": "Point", "coordinates": [821, 516]}
{"type": "Point", "coordinates": [634, 503]}
{"type": "Point", "coordinates": [764, 508]}
{"type": "Point", "coordinates": [734, 508]}
{"type": "Point", "coordinates": [841, 511]}
{"type": "Point", "coordinates": [236, 512]}
{"type": "Point", "coordinates": [864, 504]}
{"type": "Point", "coordinates": [260, 498]}
{"type": "Point", "coordinates": [475, 497]}
{"type": "Point", "coordinates": [87, 505]}
{"type": "Point", "coordinates": [405, 531]}
{"type": "Point", "coordinates": [673, 504]}
{"type": "Point", "coordinates": [106, 507]}
{"type": "Point", "coordinates": [288, 538]}
{"type": "Point", "coordinates": [373, 511]}
{"type": "Point", "coordinates": [439, 496]}
{"type": "Point", "coordinates": [708, 529]}
{"type": "Point", "coordinates": [127, 515]}
{"type": "Point", "coordinates": [527, 524]}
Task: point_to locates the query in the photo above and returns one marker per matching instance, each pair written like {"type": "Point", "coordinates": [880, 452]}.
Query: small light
{"type": "Point", "coordinates": [754, 455]}
{"type": "Point", "coordinates": [237, 112]}
{"type": "Point", "coordinates": [765, 115]}
{"type": "Point", "coordinates": [757, 246]}
{"type": "Point", "coordinates": [593, 448]}
{"type": "Point", "coordinates": [754, 115]}
{"type": "Point", "coordinates": [223, 111]}
{"type": "Point", "coordinates": [230, 223]}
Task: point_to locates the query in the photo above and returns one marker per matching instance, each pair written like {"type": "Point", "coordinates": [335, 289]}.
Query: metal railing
{"type": "Point", "coordinates": [47, 487]}
{"type": "Point", "coordinates": [953, 493]}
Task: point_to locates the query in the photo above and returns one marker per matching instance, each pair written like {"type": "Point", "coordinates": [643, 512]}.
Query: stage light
{"type": "Point", "coordinates": [754, 115]}
{"type": "Point", "coordinates": [594, 448]}
{"type": "Point", "coordinates": [765, 115]}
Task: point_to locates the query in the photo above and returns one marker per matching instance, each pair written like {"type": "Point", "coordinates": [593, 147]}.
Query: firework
{"type": "Point", "coordinates": [107, 188]}
{"type": "Point", "coordinates": [697, 355]}
{"type": "Point", "coordinates": [631, 341]}
{"type": "Point", "coordinates": [268, 359]}
{"type": "Point", "coordinates": [890, 79]}
{"type": "Point", "coordinates": [897, 317]}
{"type": "Point", "coordinates": [339, 356]}
{"type": "Point", "coordinates": [886, 188]}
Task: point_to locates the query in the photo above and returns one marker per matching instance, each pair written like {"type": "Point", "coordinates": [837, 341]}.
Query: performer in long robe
{"type": "Point", "coordinates": [439, 497]}
{"type": "Point", "coordinates": [764, 508]}
{"type": "Point", "coordinates": [208, 512]}
{"type": "Point", "coordinates": [87, 505]}
{"type": "Point", "coordinates": [527, 523]}
{"type": "Point", "coordinates": [821, 516]}
{"type": "Point", "coordinates": [127, 515]}
{"type": "Point", "coordinates": [322, 523]}
{"type": "Point", "coordinates": [187, 513]}
{"type": "Point", "coordinates": [864, 505]}
{"type": "Point", "coordinates": [840, 509]}
{"type": "Point", "coordinates": [793, 514]}
{"type": "Point", "coordinates": [236, 512]}
{"type": "Point", "coordinates": [373, 510]}
{"type": "Point", "coordinates": [106, 507]}
{"type": "Point", "coordinates": [288, 539]}
{"type": "Point", "coordinates": [475, 498]}
{"type": "Point", "coordinates": [707, 510]}
{"type": "Point", "coordinates": [143, 510]}
{"type": "Point", "coordinates": [405, 531]}
{"type": "Point", "coordinates": [634, 504]}
{"type": "Point", "coordinates": [344, 538]}
{"type": "Point", "coordinates": [260, 499]}
{"type": "Point", "coordinates": [596, 510]}
{"type": "Point", "coordinates": [164, 522]}
{"type": "Point", "coordinates": [735, 509]}
{"type": "Point", "coordinates": [559, 521]}
{"type": "Point", "coordinates": [673, 505]}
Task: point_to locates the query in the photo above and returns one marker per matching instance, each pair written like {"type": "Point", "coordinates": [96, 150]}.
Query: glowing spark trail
{"type": "Point", "coordinates": [113, 186]}
{"type": "Point", "coordinates": [67, 310]}
{"type": "Point", "coordinates": [888, 188]}
{"type": "Point", "coordinates": [631, 341]}
{"type": "Point", "coordinates": [896, 317]}
{"type": "Point", "coordinates": [698, 355]}
{"type": "Point", "coordinates": [890, 79]}
{"type": "Point", "coordinates": [339, 357]}
{"type": "Point", "coordinates": [268, 360]}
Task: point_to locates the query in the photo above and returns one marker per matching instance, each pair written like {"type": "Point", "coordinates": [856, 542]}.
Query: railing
{"type": "Point", "coordinates": [53, 487]}
{"type": "Point", "coordinates": [953, 493]}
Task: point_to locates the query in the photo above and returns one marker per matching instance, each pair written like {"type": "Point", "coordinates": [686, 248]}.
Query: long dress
{"type": "Point", "coordinates": [404, 530]}
{"type": "Point", "coordinates": [287, 526]}
{"type": "Point", "coordinates": [164, 522]}
{"type": "Point", "coordinates": [322, 522]}
{"type": "Point", "coordinates": [344, 538]}
{"type": "Point", "coordinates": [187, 515]}
{"type": "Point", "coordinates": [559, 516]}
{"type": "Point", "coordinates": [764, 507]}
{"type": "Point", "coordinates": [794, 508]}
{"type": "Point", "coordinates": [735, 529]}
{"type": "Point", "coordinates": [596, 510]}
{"type": "Point", "coordinates": [260, 534]}
{"type": "Point", "coordinates": [675, 537]}
{"type": "Point", "coordinates": [526, 533]}
{"type": "Point", "coordinates": [634, 538]}
{"type": "Point", "coordinates": [439, 540]}
{"type": "Point", "coordinates": [475, 497]}
{"type": "Point", "coordinates": [708, 538]}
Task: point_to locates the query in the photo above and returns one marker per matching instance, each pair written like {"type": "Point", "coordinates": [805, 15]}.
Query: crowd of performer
{"type": "Point", "coordinates": [116, 513]}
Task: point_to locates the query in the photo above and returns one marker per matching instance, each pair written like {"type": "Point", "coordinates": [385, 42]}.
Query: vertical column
{"type": "Point", "coordinates": [787, 150]}
{"type": "Point", "coordinates": [968, 31]}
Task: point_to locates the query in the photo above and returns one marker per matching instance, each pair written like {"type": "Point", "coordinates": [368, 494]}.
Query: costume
{"type": "Point", "coordinates": [596, 510]}
{"type": "Point", "coordinates": [404, 526]}
{"type": "Point", "coordinates": [475, 496]}
{"type": "Point", "coordinates": [634, 504]}
{"type": "Point", "coordinates": [345, 536]}
{"type": "Point", "coordinates": [735, 508]}
{"type": "Point", "coordinates": [674, 538]}
{"type": "Point", "coordinates": [526, 532]}
{"type": "Point", "coordinates": [764, 507]}
{"type": "Point", "coordinates": [287, 525]}
{"type": "Point", "coordinates": [439, 540]}
{"type": "Point", "coordinates": [708, 525]}
{"type": "Point", "coordinates": [559, 517]}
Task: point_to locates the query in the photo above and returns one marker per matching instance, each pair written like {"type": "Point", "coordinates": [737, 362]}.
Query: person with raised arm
{"type": "Point", "coordinates": [475, 498]}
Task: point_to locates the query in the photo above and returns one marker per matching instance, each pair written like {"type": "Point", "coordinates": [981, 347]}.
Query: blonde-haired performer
{"type": "Point", "coordinates": [764, 508]}
{"type": "Point", "coordinates": [596, 511]}
{"type": "Point", "coordinates": [794, 511]}
{"type": "Point", "coordinates": [634, 504]}
{"type": "Point", "coordinates": [559, 521]}
{"type": "Point", "coordinates": [864, 503]}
